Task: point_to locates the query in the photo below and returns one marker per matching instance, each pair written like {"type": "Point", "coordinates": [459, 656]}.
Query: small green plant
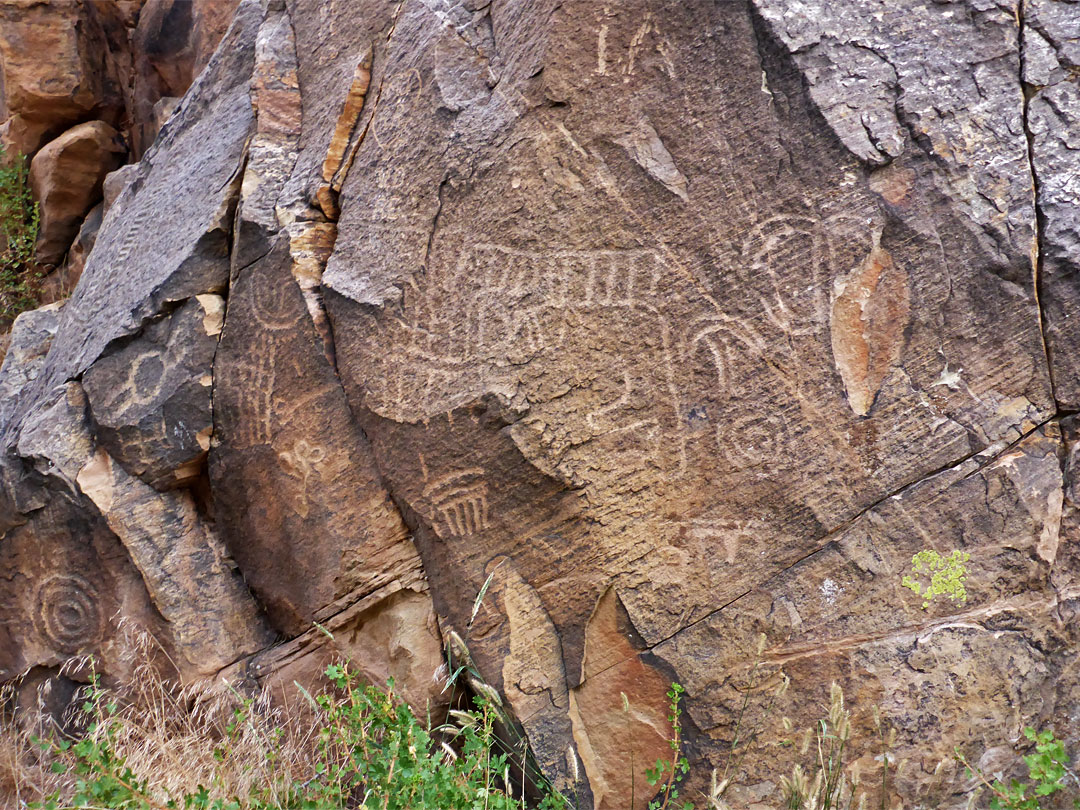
{"type": "Point", "coordinates": [371, 752]}
{"type": "Point", "coordinates": [1048, 769]}
{"type": "Point", "coordinates": [19, 220]}
{"type": "Point", "coordinates": [675, 768]}
{"type": "Point", "coordinates": [947, 575]}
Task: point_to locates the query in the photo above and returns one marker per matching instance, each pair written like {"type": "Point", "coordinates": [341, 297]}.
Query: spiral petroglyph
{"type": "Point", "coordinates": [66, 612]}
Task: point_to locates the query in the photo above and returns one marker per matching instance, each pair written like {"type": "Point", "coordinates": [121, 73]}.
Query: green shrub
{"type": "Point", "coordinates": [1047, 768]}
{"type": "Point", "coordinates": [19, 220]}
{"type": "Point", "coordinates": [669, 773]}
{"type": "Point", "coordinates": [371, 752]}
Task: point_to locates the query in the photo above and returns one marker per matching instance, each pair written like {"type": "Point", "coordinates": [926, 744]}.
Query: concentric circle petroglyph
{"type": "Point", "coordinates": [66, 612]}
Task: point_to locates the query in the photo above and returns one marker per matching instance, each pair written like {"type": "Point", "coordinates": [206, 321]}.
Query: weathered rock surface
{"type": "Point", "coordinates": [669, 324]}
{"type": "Point", "coordinates": [151, 398]}
{"type": "Point", "coordinates": [60, 63]}
{"type": "Point", "coordinates": [110, 63]}
{"type": "Point", "coordinates": [66, 177]}
{"type": "Point", "coordinates": [172, 43]}
{"type": "Point", "coordinates": [60, 283]}
{"type": "Point", "coordinates": [1051, 60]}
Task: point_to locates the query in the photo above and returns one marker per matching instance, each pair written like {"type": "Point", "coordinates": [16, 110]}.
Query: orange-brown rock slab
{"type": "Point", "coordinates": [20, 137]}
{"type": "Point", "coordinates": [66, 176]}
{"type": "Point", "coordinates": [870, 311]}
{"type": "Point", "coordinates": [619, 712]}
{"type": "Point", "coordinates": [391, 633]}
{"type": "Point", "coordinates": [171, 44]}
{"type": "Point", "coordinates": [57, 66]}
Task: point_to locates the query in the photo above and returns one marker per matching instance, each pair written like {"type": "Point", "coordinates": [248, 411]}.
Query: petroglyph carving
{"type": "Point", "coordinates": [66, 613]}
{"type": "Point", "coordinates": [731, 534]}
{"type": "Point", "coordinates": [255, 399]}
{"type": "Point", "coordinates": [276, 306]}
{"type": "Point", "coordinates": [132, 234]}
{"type": "Point", "coordinates": [514, 305]}
{"type": "Point", "coordinates": [460, 499]}
{"type": "Point", "coordinates": [771, 248]}
{"type": "Point", "coordinates": [144, 381]}
{"type": "Point", "coordinates": [752, 438]}
{"type": "Point", "coordinates": [520, 295]}
{"type": "Point", "coordinates": [723, 340]}
{"type": "Point", "coordinates": [302, 462]}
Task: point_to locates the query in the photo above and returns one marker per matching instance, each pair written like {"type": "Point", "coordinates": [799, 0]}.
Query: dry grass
{"type": "Point", "coordinates": [174, 737]}
{"type": "Point", "coordinates": [151, 743]}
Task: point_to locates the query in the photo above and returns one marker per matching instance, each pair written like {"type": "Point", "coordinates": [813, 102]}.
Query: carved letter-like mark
{"type": "Point", "coordinates": [460, 499]}
{"type": "Point", "coordinates": [66, 613]}
{"type": "Point", "coordinates": [731, 534]}
{"type": "Point", "coordinates": [146, 376]}
{"type": "Point", "coordinates": [302, 463]}
{"type": "Point", "coordinates": [276, 306]}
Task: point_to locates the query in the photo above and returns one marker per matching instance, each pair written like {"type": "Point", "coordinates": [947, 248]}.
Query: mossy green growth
{"type": "Point", "coordinates": [19, 220]}
{"type": "Point", "coordinates": [947, 575]}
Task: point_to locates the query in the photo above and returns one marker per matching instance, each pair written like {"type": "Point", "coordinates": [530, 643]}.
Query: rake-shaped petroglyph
{"type": "Point", "coordinates": [731, 534]}
{"type": "Point", "coordinates": [461, 503]}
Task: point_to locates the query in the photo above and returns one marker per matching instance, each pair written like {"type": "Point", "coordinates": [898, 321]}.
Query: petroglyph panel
{"type": "Point", "coordinates": [68, 578]}
{"type": "Point", "coordinates": [165, 237]}
{"type": "Point", "coordinates": [300, 506]}
{"type": "Point", "coordinates": [150, 399]}
{"type": "Point", "coordinates": [630, 331]}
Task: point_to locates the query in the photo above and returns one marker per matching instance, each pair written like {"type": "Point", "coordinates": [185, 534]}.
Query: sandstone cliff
{"type": "Point", "coordinates": [675, 323]}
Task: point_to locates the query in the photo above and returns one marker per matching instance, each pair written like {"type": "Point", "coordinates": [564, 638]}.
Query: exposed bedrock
{"type": "Point", "coordinates": [671, 324]}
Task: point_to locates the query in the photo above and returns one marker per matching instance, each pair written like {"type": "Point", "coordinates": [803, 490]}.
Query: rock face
{"type": "Point", "coordinates": [62, 63]}
{"type": "Point", "coordinates": [171, 44]}
{"type": "Point", "coordinates": [664, 325]}
{"type": "Point", "coordinates": [114, 72]}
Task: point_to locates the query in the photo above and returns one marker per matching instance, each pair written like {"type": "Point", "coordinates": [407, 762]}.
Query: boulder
{"type": "Point", "coordinates": [636, 341]}
{"type": "Point", "coordinates": [59, 63]}
{"type": "Point", "coordinates": [66, 176]}
{"type": "Point", "coordinates": [20, 137]}
{"type": "Point", "coordinates": [115, 182]}
{"type": "Point", "coordinates": [60, 283]}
